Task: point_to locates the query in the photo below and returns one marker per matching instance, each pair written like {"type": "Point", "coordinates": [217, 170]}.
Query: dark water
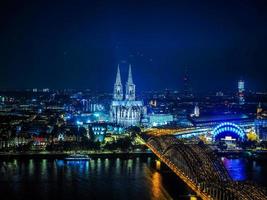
{"type": "Point", "coordinates": [105, 179]}
{"type": "Point", "coordinates": [242, 169]}
{"type": "Point", "coordinates": [95, 179]}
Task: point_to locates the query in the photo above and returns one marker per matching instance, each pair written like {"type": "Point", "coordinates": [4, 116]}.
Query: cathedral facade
{"type": "Point", "coordinates": [125, 110]}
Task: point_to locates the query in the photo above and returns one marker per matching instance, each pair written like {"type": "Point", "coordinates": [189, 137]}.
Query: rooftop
{"type": "Point", "coordinates": [218, 118]}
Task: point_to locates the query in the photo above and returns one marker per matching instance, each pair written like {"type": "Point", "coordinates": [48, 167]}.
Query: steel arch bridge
{"type": "Point", "coordinates": [200, 168]}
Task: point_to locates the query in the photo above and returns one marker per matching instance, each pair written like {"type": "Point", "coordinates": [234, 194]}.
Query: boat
{"type": "Point", "coordinates": [77, 157]}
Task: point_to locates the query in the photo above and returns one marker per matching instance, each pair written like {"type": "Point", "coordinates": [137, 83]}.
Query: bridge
{"type": "Point", "coordinates": [200, 168]}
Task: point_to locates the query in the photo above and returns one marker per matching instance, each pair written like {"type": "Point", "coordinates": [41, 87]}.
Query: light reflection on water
{"type": "Point", "coordinates": [236, 168]}
{"type": "Point", "coordinates": [116, 178]}
{"type": "Point", "coordinates": [94, 179]}
{"type": "Point", "coordinates": [241, 169]}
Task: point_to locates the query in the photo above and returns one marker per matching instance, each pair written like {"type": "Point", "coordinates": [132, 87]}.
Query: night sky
{"type": "Point", "coordinates": [78, 44]}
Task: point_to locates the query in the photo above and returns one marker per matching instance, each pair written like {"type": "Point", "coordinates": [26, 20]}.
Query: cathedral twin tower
{"type": "Point", "coordinates": [130, 87]}
{"type": "Point", "coordinates": [126, 111]}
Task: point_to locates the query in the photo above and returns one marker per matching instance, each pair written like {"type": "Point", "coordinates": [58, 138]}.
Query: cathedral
{"type": "Point", "coordinates": [126, 110]}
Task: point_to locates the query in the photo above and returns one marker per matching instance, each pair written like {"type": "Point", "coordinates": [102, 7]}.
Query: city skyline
{"type": "Point", "coordinates": [80, 43]}
{"type": "Point", "coordinates": [185, 87]}
{"type": "Point", "coordinates": [130, 99]}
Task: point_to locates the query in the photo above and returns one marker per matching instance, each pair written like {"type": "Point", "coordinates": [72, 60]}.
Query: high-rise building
{"type": "Point", "coordinates": [196, 111]}
{"type": "Point", "coordinates": [241, 92]}
{"type": "Point", "coordinates": [187, 90]}
{"type": "Point", "coordinates": [128, 111]}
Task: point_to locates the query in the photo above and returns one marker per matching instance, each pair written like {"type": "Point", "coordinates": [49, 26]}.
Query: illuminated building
{"type": "Point", "coordinates": [261, 129]}
{"type": "Point", "coordinates": [196, 111]}
{"type": "Point", "coordinates": [128, 111]}
{"type": "Point", "coordinates": [96, 107]}
{"type": "Point", "coordinates": [259, 111]}
{"type": "Point", "coordinates": [118, 89]}
{"type": "Point", "coordinates": [241, 91]}
{"type": "Point", "coordinates": [100, 130]}
{"type": "Point", "coordinates": [159, 119]}
{"type": "Point", "coordinates": [85, 105]}
{"type": "Point", "coordinates": [153, 103]}
{"type": "Point", "coordinates": [261, 123]}
{"type": "Point", "coordinates": [219, 94]}
{"type": "Point", "coordinates": [214, 120]}
{"type": "Point", "coordinates": [228, 131]}
{"type": "Point", "coordinates": [86, 118]}
{"type": "Point", "coordinates": [46, 90]}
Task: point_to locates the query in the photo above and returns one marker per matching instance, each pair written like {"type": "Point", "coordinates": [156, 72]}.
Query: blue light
{"type": "Point", "coordinates": [96, 114]}
{"type": "Point", "coordinates": [60, 163]}
{"type": "Point", "coordinates": [228, 127]}
{"type": "Point", "coordinates": [79, 123]}
{"type": "Point", "coordinates": [79, 163]}
{"type": "Point", "coordinates": [236, 168]}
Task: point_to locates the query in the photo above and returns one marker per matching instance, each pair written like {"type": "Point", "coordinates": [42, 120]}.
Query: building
{"type": "Point", "coordinates": [196, 111]}
{"type": "Point", "coordinates": [214, 120]}
{"type": "Point", "coordinates": [259, 111]}
{"type": "Point", "coordinates": [187, 90]}
{"type": "Point", "coordinates": [126, 111]}
{"type": "Point", "coordinates": [241, 91]}
{"type": "Point", "coordinates": [261, 129]}
{"type": "Point", "coordinates": [261, 123]}
{"type": "Point", "coordinates": [159, 119]}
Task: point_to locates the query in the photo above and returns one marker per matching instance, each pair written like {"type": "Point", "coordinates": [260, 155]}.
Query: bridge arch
{"type": "Point", "coordinates": [228, 129]}
{"type": "Point", "coordinates": [202, 170]}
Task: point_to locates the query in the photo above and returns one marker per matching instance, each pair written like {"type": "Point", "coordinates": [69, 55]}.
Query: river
{"type": "Point", "coordinates": [116, 178]}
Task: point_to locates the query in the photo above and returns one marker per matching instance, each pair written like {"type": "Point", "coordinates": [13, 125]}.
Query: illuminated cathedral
{"type": "Point", "coordinates": [125, 110]}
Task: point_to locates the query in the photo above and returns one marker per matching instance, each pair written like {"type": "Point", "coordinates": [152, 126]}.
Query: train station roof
{"type": "Point", "coordinates": [219, 118]}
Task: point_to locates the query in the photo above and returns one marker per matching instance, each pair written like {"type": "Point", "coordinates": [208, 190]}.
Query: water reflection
{"type": "Point", "coordinates": [76, 163]}
{"type": "Point", "coordinates": [31, 167]}
{"type": "Point", "coordinates": [236, 168]}
{"type": "Point", "coordinates": [156, 182]}
{"type": "Point", "coordinates": [116, 178]}
{"type": "Point", "coordinates": [158, 164]}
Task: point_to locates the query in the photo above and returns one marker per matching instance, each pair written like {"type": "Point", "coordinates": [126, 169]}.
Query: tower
{"type": "Point", "coordinates": [130, 87]}
{"type": "Point", "coordinates": [196, 111]}
{"type": "Point", "coordinates": [118, 90]}
{"type": "Point", "coordinates": [241, 91]}
{"type": "Point", "coordinates": [187, 90]}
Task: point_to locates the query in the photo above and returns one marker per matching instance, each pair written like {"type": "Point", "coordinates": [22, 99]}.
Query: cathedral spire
{"type": "Point", "coordinates": [118, 92]}
{"type": "Point", "coordinates": [118, 77]}
{"type": "Point", "coordinates": [130, 87]}
{"type": "Point", "coordinates": [130, 77]}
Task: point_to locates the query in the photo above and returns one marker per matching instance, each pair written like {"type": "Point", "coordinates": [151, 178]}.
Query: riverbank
{"type": "Point", "coordinates": [253, 155]}
{"type": "Point", "coordinates": [248, 154]}
{"type": "Point", "coordinates": [62, 155]}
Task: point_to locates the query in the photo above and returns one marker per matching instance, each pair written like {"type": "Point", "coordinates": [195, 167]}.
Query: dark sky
{"type": "Point", "coordinates": [78, 44]}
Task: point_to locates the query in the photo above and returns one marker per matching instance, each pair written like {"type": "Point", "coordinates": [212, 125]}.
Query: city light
{"type": "Point", "coordinates": [229, 128]}
{"type": "Point", "coordinates": [133, 100]}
